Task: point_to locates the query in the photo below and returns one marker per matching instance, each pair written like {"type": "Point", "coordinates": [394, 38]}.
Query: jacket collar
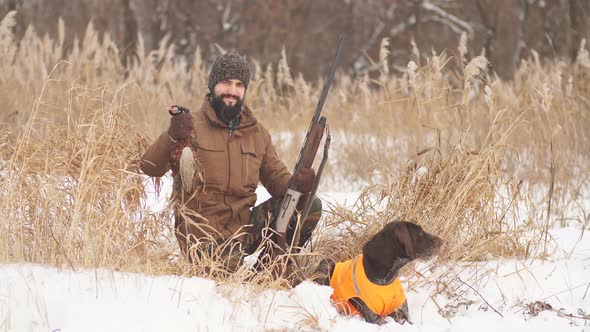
{"type": "Point", "coordinates": [247, 118]}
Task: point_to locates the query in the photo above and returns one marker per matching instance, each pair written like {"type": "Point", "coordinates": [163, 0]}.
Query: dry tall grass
{"type": "Point", "coordinates": [447, 144]}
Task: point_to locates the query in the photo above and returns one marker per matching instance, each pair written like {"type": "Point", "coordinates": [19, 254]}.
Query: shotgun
{"type": "Point", "coordinates": [305, 159]}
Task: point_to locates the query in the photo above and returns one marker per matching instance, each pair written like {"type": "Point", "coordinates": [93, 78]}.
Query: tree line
{"type": "Point", "coordinates": [505, 31]}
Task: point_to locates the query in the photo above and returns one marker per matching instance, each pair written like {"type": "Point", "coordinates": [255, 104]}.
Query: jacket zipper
{"type": "Point", "coordinates": [228, 175]}
{"type": "Point", "coordinates": [228, 162]}
{"type": "Point", "coordinates": [231, 126]}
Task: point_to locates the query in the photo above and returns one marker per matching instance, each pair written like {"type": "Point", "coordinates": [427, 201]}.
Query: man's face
{"type": "Point", "coordinates": [231, 91]}
{"type": "Point", "coordinates": [228, 98]}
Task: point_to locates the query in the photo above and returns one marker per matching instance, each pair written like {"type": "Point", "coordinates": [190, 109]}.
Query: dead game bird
{"type": "Point", "coordinates": [184, 157]}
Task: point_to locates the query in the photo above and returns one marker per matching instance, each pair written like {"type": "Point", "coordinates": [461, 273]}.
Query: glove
{"type": "Point", "coordinates": [303, 179]}
{"type": "Point", "coordinates": [181, 123]}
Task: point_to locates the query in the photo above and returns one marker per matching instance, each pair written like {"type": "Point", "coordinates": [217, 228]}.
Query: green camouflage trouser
{"type": "Point", "coordinates": [233, 252]}
{"type": "Point", "coordinates": [263, 215]}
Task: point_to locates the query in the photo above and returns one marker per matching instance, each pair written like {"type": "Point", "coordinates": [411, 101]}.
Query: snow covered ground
{"type": "Point", "coordinates": [37, 298]}
{"type": "Point", "coordinates": [488, 296]}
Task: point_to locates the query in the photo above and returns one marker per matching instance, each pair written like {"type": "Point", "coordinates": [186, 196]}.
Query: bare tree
{"type": "Point", "coordinates": [579, 11]}
{"type": "Point", "coordinates": [520, 26]}
{"type": "Point", "coordinates": [488, 14]}
{"type": "Point", "coordinates": [129, 32]}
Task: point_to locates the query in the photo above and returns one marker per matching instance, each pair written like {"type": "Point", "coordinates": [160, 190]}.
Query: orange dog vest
{"type": "Point", "coordinates": [349, 280]}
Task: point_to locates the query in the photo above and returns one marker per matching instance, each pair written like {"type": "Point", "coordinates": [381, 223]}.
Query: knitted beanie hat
{"type": "Point", "coordinates": [229, 66]}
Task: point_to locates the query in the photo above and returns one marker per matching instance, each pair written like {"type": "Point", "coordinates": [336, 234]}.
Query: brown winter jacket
{"type": "Point", "coordinates": [233, 163]}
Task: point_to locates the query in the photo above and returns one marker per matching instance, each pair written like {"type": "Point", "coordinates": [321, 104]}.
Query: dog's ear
{"type": "Point", "coordinates": [384, 247]}
{"type": "Point", "coordinates": [404, 236]}
{"type": "Point", "coordinates": [375, 247]}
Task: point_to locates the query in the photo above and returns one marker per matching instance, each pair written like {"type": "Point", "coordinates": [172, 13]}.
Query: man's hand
{"type": "Point", "coordinates": [303, 179]}
{"type": "Point", "coordinates": [181, 123]}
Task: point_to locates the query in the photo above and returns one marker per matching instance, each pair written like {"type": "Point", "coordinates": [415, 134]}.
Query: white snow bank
{"type": "Point", "coordinates": [36, 298]}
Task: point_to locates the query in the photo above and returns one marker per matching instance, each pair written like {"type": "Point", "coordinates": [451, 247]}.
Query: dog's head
{"type": "Point", "coordinates": [402, 239]}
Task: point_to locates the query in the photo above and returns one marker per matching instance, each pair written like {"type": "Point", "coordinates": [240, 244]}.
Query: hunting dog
{"type": "Point", "coordinates": [368, 284]}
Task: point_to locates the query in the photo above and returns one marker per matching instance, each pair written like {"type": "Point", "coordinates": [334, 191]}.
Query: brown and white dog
{"type": "Point", "coordinates": [368, 284]}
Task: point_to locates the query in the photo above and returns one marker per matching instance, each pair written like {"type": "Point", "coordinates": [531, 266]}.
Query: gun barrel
{"type": "Point", "coordinates": [318, 110]}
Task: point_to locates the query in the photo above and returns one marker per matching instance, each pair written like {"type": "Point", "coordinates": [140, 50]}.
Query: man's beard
{"type": "Point", "coordinates": [224, 112]}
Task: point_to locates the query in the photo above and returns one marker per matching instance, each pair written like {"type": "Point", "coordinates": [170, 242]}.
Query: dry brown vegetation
{"type": "Point", "coordinates": [478, 161]}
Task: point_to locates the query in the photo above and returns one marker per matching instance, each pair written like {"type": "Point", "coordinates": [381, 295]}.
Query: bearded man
{"type": "Point", "coordinates": [235, 153]}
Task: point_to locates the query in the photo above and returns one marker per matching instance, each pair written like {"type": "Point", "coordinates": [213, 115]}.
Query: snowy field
{"type": "Point", "coordinates": [488, 296]}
